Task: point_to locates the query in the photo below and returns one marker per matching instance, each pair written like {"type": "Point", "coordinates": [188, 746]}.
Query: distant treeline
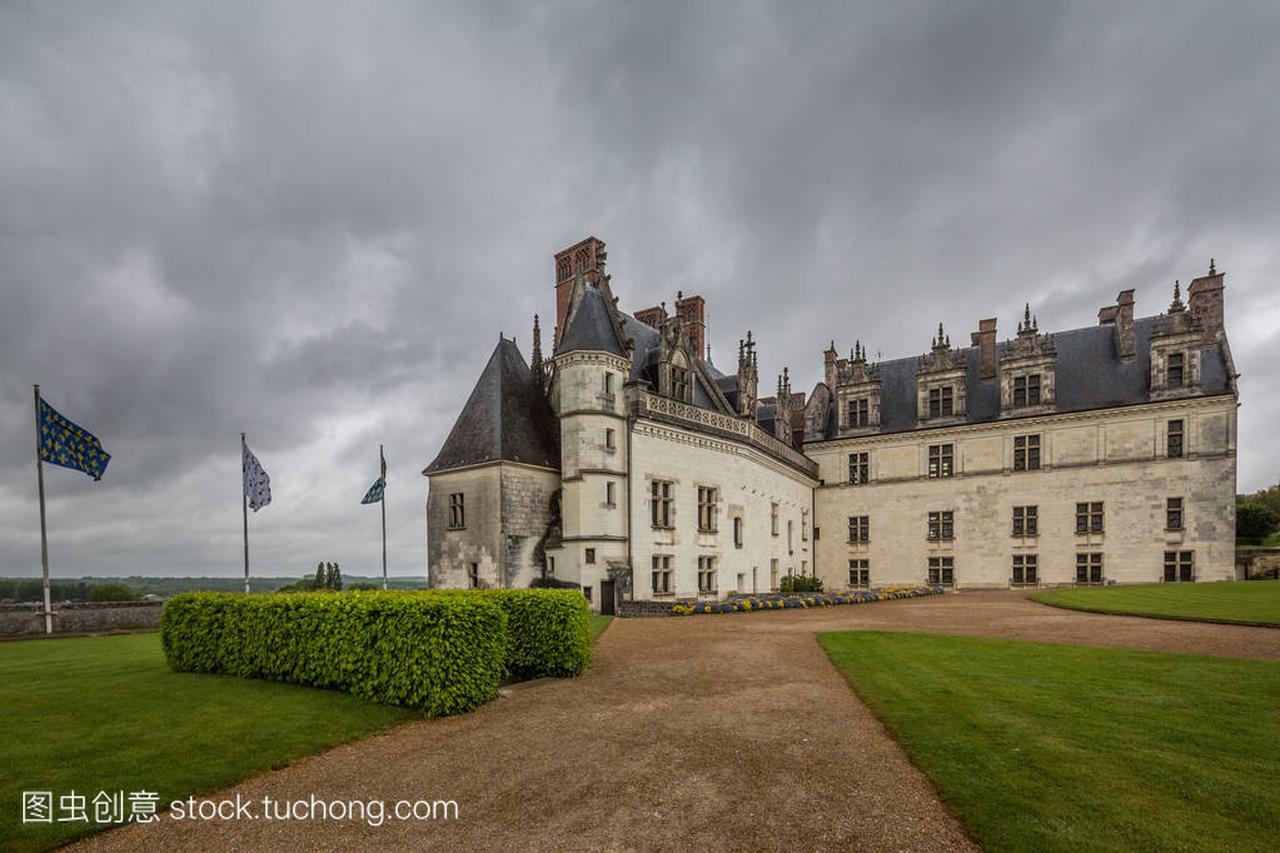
{"type": "Point", "coordinates": [130, 588]}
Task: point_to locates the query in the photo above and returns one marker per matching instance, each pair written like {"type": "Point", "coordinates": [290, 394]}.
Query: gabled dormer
{"type": "Point", "coordinates": [940, 386]}
{"type": "Point", "coordinates": [1028, 371]}
{"type": "Point", "coordinates": [1176, 338]}
{"type": "Point", "coordinates": [676, 361]}
{"type": "Point", "coordinates": [856, 393]}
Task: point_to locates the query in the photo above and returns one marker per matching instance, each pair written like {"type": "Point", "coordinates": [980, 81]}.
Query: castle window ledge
{"type": "Point", "coordinates": [608, 401]}
{"type": "Point", "coordinates": [1174, 537]}
{"type": "Point", "coordinates": [1087, 539]}
{"type": "Point", "coordinates": [1025, 540]}
{"type": "Point", "coordinates": [945, 546]}
{"type": "Point", "coordinates": [1031, 585]}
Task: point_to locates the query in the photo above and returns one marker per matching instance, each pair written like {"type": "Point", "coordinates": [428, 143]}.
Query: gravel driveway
{"type": "Point", "coordinates": [730, 731]}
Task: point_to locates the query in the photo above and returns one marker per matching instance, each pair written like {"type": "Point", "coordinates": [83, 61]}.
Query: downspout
{"type": "Point", "coordinates": [631, 568]}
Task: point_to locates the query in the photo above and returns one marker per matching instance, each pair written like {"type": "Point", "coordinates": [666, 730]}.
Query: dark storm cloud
{"type": "Point", "coordinates": [310, 222]}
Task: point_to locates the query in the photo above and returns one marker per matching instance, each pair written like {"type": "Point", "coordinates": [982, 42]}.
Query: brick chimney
{"type": "Point", "coordinates": [985, 340]}
{"type": "Point", "coordinates": [692, 313]}
{"type": "Point", "coordinates": [652, 316]}
{"type": "Point", "coordinates": [1204, 297]}
{"type": "Point", "coordinates": [586, 259]}
{"type": "Point", "coordinates": [1120, 315]}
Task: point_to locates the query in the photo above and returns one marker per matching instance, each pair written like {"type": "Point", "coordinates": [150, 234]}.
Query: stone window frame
{"type": "Point", "coordinates": [1025, 570]}
{"type": "Point", "coordinates": [944, 396]}
{"type": "Point", "coordinates": [1090, 517]}
{"type": "Point", "coordinates": [608, 383]}
{"type": "Point", "coordinates": [738, 525]}
{"type": "Point", "coordinates": [1090, 568]}
{"type": "Point", "coordinates": [859, 573]}
{"type": "Point", "coordinates": [1174, 564]}
{"type": "Point", "coordinates": [661, 568]}
{"type": "Point", "coordinates": [1181, 369]}
{"type": "Point", "coordinates": [1175, 439]}
{"type": "Point", "coordinates": [859, 529]}
{"type": "Point", "coordinates": [682, 383]}
{"type": "Point", "coordinates": [857, 412]}
{"type": "Point", "coordinates": [791, 537]}
{"type": "Point", "coordinates": [1175, 514]}
{"type": "Point", "coordinates": [708, 509]}
{"type": "Point", "coordinates": [859, 467]}
{"type": "Point", "coordinates": [610, 438]}
{"type": "Point", "coordinates": [773, 519]}
{"type": "Point", "coordinates": [1026, 452]}
{"type": "Point", "coordinates": [1023, 386]}
{"type": "Point", "coordinates": [804, 525]}
{"type": "Point", "coordinates": [458, 511]}
{"type": "Point", "coordinates": [1026, 520]}
{"type": "Point", "coordinates": [707, 571]}
{"type": "Point", "coordinates": [589, 556]}
{"type": "Point", "coordinates": [942, 525]}
{"type": "Point", "coordinates": [610, 494]}
{"type": "Point", "coordinates": [661, 503]}
{"type": "Point", "coordinates": [942, 461]}
{"type": "Point", "coordinates": [774, 569]}
{"type": "Point", "coordinates": [941, 571]}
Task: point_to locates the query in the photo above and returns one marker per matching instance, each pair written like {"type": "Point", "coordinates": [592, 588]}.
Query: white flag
{"type": "Point", "coordinates": [257, 485]}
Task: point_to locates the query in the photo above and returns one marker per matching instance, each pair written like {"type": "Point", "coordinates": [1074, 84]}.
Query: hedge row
{"type": "Point", "coordinates": [826, 599]}
{"type": "Point", "coordinates": [441, 652]}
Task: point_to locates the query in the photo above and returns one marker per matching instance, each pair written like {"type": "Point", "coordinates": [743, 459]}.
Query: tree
{"type": "Point", "coordinates": [320, 577]}
{"type": "Point", "coordinates": [1255, 519]}
{"type": "Point", "coordinates": [112, 592]}
{"type": "Point", "coordinates": [336, 584]}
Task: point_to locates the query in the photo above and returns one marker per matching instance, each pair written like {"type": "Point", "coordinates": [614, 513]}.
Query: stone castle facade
{"type": "Point", "coordinates": [626, 464]}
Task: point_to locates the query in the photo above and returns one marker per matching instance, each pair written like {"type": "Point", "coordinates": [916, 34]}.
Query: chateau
{"type": "Point", "coordinates": [625, 463]}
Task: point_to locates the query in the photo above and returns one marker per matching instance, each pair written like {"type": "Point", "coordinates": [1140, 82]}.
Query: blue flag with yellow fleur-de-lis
{"type": "Point", "coordinates": [379, 486]}
{"type": "Point", "coordinates": [64, 443]}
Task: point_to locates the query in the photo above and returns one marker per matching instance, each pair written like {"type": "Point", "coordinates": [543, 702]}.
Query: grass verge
{"type": "Point", "coordinates": [92, 714]}
{"type": "Point", "coordinates": [1059, 747]}
{"type": "Point", "coordinates": [1245, 602]}
{"type": "Point", "coordinates": [598, 624]}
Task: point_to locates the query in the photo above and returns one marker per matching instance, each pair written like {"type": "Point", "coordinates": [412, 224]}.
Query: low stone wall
{"type": "Point", "coordinates": [632, 609]}
{"type": "Point", "coordinates": [79, 617]}
{"type": "Point", "coordinates": [1258, 563]}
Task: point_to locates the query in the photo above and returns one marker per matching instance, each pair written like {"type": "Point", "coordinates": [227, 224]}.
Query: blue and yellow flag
{"type": "Point", "coordinates": [66, 444]}
{"type": "Point", "coordinates": [375, 491]}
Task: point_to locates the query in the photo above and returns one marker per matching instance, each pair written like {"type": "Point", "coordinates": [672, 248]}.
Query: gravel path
{"type": "Point", "coordinates": [722, 732]}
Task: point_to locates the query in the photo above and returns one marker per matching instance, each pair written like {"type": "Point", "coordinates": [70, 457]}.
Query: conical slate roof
{"type": "Point", "coordinates": [590, 327]}
{"type": "Point", "coordinates": [506, 418]}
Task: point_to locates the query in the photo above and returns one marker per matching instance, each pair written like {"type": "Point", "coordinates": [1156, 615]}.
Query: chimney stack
{"type": "Point", "coordinates": [692, 313]}
{"type": "Point", "coordinates": [985, 340]}
{"type": "Point", "coordinates": [584, 260]}
{"type": "Point", "coordinates": [1204, 298]}
{"type": "Point", "coordinates": [1120, 315]}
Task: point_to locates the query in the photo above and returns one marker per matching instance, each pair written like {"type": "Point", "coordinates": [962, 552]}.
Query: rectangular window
{"type": "Point", "coordinates": [859, 528]}
{"type": "Point", "coordinates": [609, 497]}
{"type": "Point", "coordinates": [790, 532]}
{"type": "Point", "coordinates": [941, 402]}
{"type": "Point", "coordinates": [457, 511]}
{"type": "Point", "coordinates": [1025, 569]}
{"type": "Point", "coordinates": [737, 532]}
{"type": "Point", "coordinates": [1175, 370]}
{"type": "Point", "coordinates": [1026, 390]}
{"type": "Point", "coordinates": [773, 519]}
{"type": "Point", "coordinates": [1089, 567]}
{"type": "Point", "coordinates": [942, 571]}
{"type": "Point", "coordinates": [661, 574]}
{"type": "Point", "coordinates": [858, 413]}
{"type": "Point", "coordinates": [1173, 514]}
{"type": "Point", "coordinates": [473, 575]}
{"type": "Point", "coordinates": [1026, 521]}
{"type": "Point", "coordinates": [859, 468]}
{"type": "Point", "coordinates": [680, 388]}
{"type": "Point", "coordinates": [551, 567]}
{"type": "Point", "coordinates": [586, 592]}
{"type": "Point", "coordinates": [773, 574]}
{"type": "Point", "coordinates": [942, 525]}
{"type": "Point", "coordinates": [1179, 566]}
{"type": "Point", "coordinates": [590, 556]}
{"type": "Point", "coordinates": [1175, 439]}
{"type": "Point", "coordinates": [610, 441]}
{"type": "Point", "coordinates": [660, 503]}
{"type": "Point", "coordinates": [706, 574]}
{"type": "Point", "coordinates": [859, 574]}
{"type": "Point", "coordinates": [707, 509]}
{"type": "Point", "coordinates": [804, 527]}
{"type": "Point", "coordinates": [608, 382]}
{"type": "Point", "coordinates": [1089, 517]}
{"type": "Point", "coordinates": [1026, 453]}
{"type": "Point", "coordinates": [941, 460]}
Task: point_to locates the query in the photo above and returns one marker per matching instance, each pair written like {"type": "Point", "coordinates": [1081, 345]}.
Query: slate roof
{"type": "Point", "coordinates": [1089, 375]}
{"type": "Point", "coordinates": [590, 327]}
{"type": "Point", "coordinates": [505, 418]}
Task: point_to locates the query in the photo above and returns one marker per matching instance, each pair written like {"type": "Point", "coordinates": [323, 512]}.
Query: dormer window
{"type": "Point", "coordinates": [1175, 375]}
{"type": "Point", "coordinates": [1026, 390]}
{"type": "Point", "coordinates": [858, 413]}
{"type": "Point", "coordinates": [681, 387]}
{"type": "Point", "coordinates": [941, 402]}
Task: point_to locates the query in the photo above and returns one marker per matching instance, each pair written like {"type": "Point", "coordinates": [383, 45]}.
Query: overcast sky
{"type": "Point", "coordinates": [310, 221]}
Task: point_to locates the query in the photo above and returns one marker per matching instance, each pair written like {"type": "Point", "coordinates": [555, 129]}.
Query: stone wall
{"type": "Point", "coordinates": [1116, 456]}
{"type": "Point", "coordinates": [450, 552]}
{"type": "Point", "coordinates": [1258, 564]}
{"type": "Point", "coordinates": [79, 617]}
{"type": "Point", "coordinates": [526, 503]}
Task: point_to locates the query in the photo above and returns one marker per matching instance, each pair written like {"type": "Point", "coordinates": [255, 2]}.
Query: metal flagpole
{"type": "Point", "coordinates": [382, 469]}
{"type": "Point", "coordinates": [44, 537]}
{"type": "Point", "coordinates": [244, 504]}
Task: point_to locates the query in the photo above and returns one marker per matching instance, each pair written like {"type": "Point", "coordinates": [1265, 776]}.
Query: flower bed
{"type": "Point", "coordinates": [808, 601]}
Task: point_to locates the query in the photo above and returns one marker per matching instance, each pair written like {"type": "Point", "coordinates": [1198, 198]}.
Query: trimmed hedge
{"type": "Point", "coordinates": [440, 654]}
{"type": "Point", "coordinates": [548, 630]}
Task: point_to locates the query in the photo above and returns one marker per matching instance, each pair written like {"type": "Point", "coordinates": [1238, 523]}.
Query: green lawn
{"type": "Point", "coordinates": [1057, 747]}
{"type": "Point", "coordinates": [598, 624]}
{"type": "Point", "coordinates": [1241, 601]}
{"type": "Point", "coordinates": [97, 714]}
